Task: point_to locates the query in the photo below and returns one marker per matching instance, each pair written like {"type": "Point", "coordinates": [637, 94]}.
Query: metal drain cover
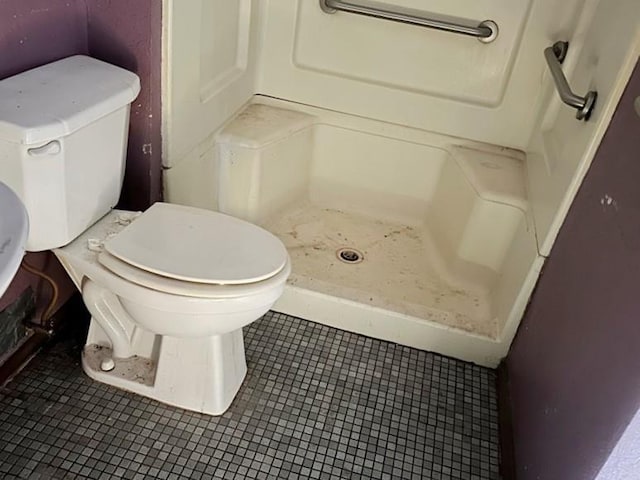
{"type": "Point", "coordinates": [349, 255]}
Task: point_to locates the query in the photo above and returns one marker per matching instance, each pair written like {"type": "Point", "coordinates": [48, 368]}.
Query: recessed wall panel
{"type": "Point", "coordinates": [223, 44]}
{"type": "Point", "coordinates": [209, 69]}
{"type": "Point", "coordinates": [410, 57]}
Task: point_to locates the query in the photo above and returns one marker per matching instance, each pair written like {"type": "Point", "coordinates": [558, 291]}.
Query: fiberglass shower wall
{"type": "Point", "coordinates": [443, 101]}
{"type": "Point", "coordinates": [221, 53]}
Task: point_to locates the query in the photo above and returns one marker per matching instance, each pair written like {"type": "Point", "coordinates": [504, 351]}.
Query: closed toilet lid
{"type": "Point", "coordinates": [197, 245]}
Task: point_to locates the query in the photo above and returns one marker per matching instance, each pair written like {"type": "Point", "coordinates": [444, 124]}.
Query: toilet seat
{"type": "Point", "coordinates": [152, 281]}
{"type": "Point", "coordinates": [194, 246]}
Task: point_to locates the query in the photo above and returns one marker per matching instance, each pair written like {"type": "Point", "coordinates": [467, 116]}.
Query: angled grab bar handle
{"type": "Point", "coordinates": [555, 55]}
{"type": "Point", "coordinates": [486, 31]}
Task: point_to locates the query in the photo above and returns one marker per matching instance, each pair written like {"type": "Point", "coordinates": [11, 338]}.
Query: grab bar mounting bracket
{"type": "Point", "coordinates": [555, 55]}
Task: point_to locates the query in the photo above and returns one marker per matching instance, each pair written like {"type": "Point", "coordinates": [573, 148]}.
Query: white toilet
{"type": "Point", "coordinates": [169, 289]}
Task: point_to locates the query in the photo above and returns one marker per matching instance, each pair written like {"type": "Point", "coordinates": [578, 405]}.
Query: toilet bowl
{"type": "Point", "coordinates": [168, 310]}
{"type": "Point", "coordinates": [169, 289]}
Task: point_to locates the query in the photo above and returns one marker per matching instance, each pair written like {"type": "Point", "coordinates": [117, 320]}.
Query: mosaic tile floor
{"type": "Point", "coordinates": [317, 403]}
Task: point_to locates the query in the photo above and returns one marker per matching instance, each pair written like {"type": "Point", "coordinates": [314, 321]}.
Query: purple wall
{"type": "Point", "coordinates": [574, 365]}
{"type": "Point", "coordinates": [123, 32]}
{"type": "Point", "coordinates": [126, 33]}
{"type": "Point", "coordinates": [33, 32]}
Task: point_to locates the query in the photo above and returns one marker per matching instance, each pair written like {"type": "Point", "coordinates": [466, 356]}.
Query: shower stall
{"type": "Point", "coordinates": [417, 158]}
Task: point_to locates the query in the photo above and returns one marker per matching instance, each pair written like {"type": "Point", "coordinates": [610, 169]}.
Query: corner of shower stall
{"type": "Point", "coordinates": [393, 232]}
{"type": "Point", "coordinates": [369, 147]}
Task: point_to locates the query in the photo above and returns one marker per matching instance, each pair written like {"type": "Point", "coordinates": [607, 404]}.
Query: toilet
{"type": "Point", "coordinates": [168, 289]}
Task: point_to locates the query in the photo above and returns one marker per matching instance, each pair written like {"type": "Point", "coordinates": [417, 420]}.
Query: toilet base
{"type": "Point", "coordinates": [198, 374]}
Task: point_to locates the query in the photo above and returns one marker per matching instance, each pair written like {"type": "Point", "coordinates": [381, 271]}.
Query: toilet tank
{"type": "Point", "coordinates": [63, 142]}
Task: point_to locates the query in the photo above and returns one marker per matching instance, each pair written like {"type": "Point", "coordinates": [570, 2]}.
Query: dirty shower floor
{"type": "Point", "coordinates": [317, 403]}
{"type": "Point", "coordinates": [401, 270]}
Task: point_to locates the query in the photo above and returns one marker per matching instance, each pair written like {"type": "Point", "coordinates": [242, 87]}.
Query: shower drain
{"type": "Point", "coordinates": [349, 255]}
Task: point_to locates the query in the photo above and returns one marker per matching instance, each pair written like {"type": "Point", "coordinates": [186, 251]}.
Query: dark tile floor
{"type": "Point", "coordinates": [317, 403]}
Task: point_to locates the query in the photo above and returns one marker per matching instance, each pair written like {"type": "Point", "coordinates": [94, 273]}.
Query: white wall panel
{"type": "Point", "coordinates": [409, 58]}
{"type": "Point", "coordinates": [209, 68]}
{"type": "Point", "coordinates": [412, 75]}
{"type": "Point", "coordinates": [601, 56]}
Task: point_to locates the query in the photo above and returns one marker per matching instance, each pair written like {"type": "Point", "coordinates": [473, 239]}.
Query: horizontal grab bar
{"type": "Point", "coordinates": [486, 31]}
{"type": "Point", "coordinates": [555, 55]}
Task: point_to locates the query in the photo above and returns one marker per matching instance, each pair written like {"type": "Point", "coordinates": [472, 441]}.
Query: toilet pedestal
{"type": "Point", "coordinates": [198, 374]}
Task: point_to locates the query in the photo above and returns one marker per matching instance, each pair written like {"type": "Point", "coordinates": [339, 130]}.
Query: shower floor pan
{"type": "Point", "coordinates": [441, 253]}
{"type": "Point", "coordinates": [398, 273]}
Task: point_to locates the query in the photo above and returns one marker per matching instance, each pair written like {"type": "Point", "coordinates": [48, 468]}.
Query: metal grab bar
{"type": "Point", "coordinates": [486, 31]}
{"type": "Point", "coordinates": [555, 55]}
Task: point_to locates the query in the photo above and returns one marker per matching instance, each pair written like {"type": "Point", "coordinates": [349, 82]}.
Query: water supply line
{"type": "Point", "coordinates": [45, 325]}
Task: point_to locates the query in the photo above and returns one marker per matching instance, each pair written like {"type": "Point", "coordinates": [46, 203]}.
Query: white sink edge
{"type": "Point", "coordinates": [14, 231]}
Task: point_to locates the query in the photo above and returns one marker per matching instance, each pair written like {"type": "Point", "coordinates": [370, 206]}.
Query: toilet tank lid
{"type": "Point", "coordinates": [57, 99]}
